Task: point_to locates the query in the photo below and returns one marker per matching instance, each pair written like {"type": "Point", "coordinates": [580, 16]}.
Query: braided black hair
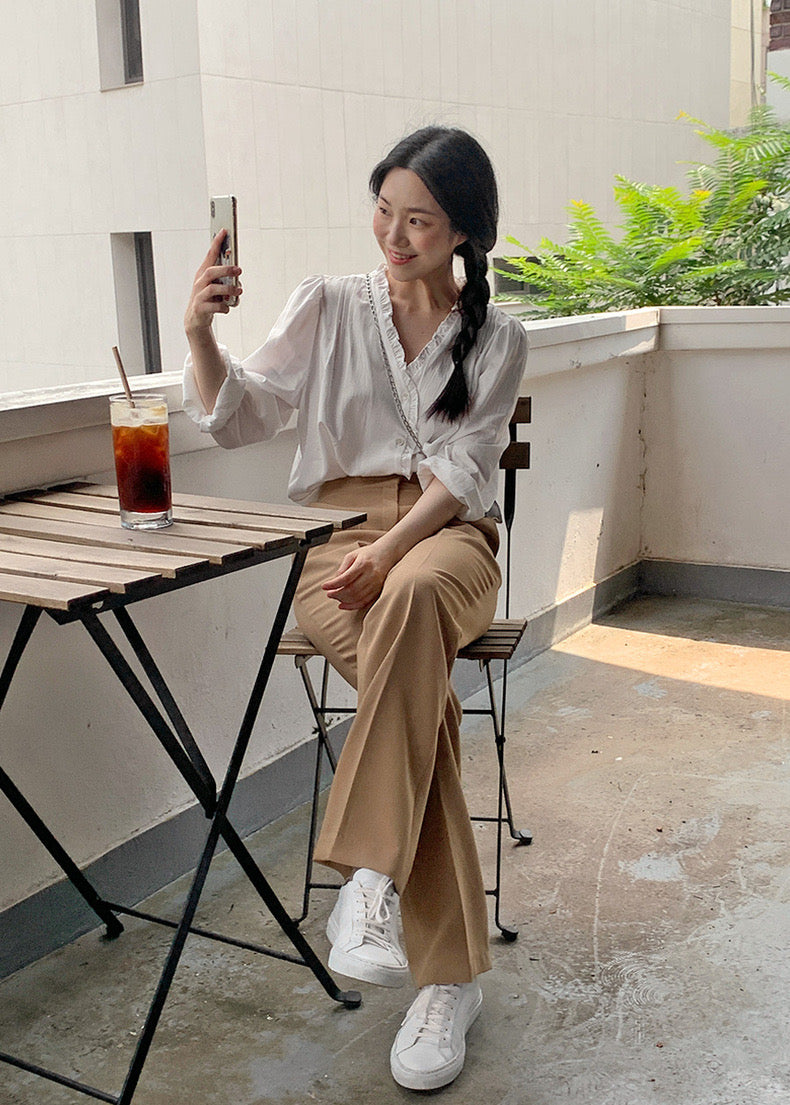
{"type": "Point", "coordinates": [457, 172]}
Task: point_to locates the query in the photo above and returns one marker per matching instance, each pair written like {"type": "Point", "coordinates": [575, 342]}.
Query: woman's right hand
{"type": "Point", "coordinates": [209, 297]}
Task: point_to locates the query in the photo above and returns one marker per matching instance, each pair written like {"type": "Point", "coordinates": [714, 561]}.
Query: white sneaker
{"type": "Point", "coordinates": [363, 931]}
{"type": "Point", "coordinates": [430, 1048]}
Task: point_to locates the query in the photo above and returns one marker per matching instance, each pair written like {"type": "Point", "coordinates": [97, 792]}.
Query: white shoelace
{"type": "Point", "coordinates": [438, 1016]}
{"type": "Point", "coordinates": [378, 914]}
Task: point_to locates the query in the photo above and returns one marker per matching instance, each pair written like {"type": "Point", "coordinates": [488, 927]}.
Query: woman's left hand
{"type": "Point", "coordinates": [359, 578]}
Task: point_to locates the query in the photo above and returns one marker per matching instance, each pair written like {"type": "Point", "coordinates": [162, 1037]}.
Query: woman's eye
{"type": "Point", "coordinates": [417, 222]}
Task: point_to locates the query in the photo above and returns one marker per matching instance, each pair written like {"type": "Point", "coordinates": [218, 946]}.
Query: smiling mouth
{"type": "Point", "coordinates": [401, 258]}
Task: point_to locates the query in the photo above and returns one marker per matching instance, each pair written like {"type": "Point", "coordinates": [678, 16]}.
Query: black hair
{"type": "Point", "coordinates": [457, 172]}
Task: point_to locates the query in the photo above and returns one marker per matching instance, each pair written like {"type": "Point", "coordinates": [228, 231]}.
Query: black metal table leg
{"type": "Point", "coordinates": [171, 708]}
{"type": "Point", "coordinates": [218, 810]}
{"type": "Point", "coordinates": [99, 906]}
{"type": "Point", "coordinates": [27, 623]}
{"type": "Point", "coordinates": [142, 700]}
{"type": "Point", "coordinates": [59, 1079]}
{"type": "Point", "coordinates": [24, 631]}
{"type": "Point", "coordinates": [168, 971]}
{"type": "Point", "coordinates": [220, 826]}
{"type": "Point", "coordinates": [350, 998]}
{"type": "Point", "coordinates": [184, 752]}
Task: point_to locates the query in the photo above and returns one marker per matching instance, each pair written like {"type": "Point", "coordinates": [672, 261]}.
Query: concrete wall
{"type": "Point", "coordinates": [578, 519]}
{"type": "Point", "coordinates": [301, 100]}
{"type": "Point", "coordinates": [80, 164]}
{"type": "Point", "coordinates": [779, 98]}
{"type": "Point", "coordinates": [747, 64]}
{"type": "Point", "coordinates": [289, 105]}
{"type": "Point", "coordinates": [717, 449]}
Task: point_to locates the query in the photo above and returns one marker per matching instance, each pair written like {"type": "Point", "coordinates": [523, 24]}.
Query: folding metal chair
{"type": "Point", "coordinates": [498, 643]}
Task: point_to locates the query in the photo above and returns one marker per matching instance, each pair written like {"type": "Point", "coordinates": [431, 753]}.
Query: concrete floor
{"type": "Point", "coordinates": [650, 755]}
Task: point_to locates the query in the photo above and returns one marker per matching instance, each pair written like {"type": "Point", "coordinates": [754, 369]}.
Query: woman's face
{"type": "Point", "coordinates": [412, 230]}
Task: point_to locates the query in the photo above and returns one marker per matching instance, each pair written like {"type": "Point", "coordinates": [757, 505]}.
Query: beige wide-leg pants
{"type": "Point", "coordinates": [396, 803]}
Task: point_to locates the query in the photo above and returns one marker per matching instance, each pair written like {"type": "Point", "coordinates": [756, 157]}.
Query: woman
{"type": "Point", "coordinates": [404, 381]}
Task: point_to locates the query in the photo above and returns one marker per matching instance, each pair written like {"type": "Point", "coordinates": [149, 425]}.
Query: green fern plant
{"type": "Point", "coordinates": [725, 242]}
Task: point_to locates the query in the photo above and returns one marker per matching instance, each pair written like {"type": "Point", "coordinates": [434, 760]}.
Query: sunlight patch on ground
{"type": "Point", "coordinates": [745, 669]}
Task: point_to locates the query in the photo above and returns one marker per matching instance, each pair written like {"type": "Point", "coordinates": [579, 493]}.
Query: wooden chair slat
{"type": "Point", "coordinates": [523, 412]}
{"type": "Point", "coordinates": [499, 642]}
{"type": "Point", "coordinates": [516, 455]}
{"type": "Point", "coordinates": [294, 643]}
{"type": "Point", "coordinates": [481, 649]}
{"type": "Point", "coordinates": [492, 644]}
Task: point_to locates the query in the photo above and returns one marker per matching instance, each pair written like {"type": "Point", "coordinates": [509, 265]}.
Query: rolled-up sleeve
{"type": "Point", "coordinates": [259, 394]}
{"type": "Point", "coordinates": [466, 460]}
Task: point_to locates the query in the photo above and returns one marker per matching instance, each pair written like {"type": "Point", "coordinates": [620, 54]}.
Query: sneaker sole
{"type": "Point", "coordinates": [346, 963]}
{"type": "Point", "coordinates": [363, 971]}
{"type": "Point", "coordinates": [432, 1080]}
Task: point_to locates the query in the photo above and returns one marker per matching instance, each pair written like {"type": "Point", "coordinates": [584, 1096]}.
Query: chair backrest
{"type": "Point", "coordinates": [516, 457]}
{"type": "Point", "coordinates": [516, 454]}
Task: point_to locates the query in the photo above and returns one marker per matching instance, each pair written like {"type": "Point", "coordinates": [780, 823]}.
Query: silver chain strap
{"type": "Point", "coordinates": [390, 377]}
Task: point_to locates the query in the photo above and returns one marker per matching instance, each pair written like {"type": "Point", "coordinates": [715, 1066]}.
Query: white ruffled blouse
{"type": "Point", "coordinates": [323, 359]}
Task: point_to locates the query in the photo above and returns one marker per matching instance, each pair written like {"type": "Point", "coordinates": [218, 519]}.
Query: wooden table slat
{"type": "Point", "coordinates": [171, 539]}
{"type": "Point", "coordinates": [340, 519]}
{"type": "Point", "coordinates": [97, 505]}
{"type": "Point", "coordinates": [65, 546]}
{"type": "Point", "coordinates": [155, 564]}
{"type": "Point", "coordinates": [263, 539]}
{"type": "Point", "coordinates": [51, 593]}
{"type": "Point", "coordinates": [114, 579]}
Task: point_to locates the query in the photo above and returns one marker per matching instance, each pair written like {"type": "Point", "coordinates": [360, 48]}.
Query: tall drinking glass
{"type": "Point", "coordinates": [142, 460]}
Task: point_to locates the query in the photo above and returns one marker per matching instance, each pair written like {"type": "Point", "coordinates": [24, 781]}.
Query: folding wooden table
{"type": "Point", "coordinates": [64, 552]}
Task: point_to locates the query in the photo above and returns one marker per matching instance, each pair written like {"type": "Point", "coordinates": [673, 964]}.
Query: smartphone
{"type": "Point", "coordinates": [223, 217]}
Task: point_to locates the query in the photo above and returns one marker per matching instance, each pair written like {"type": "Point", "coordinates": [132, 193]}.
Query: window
{"type": "Point", "coordinates": [120, 43]}
{"type": "Point", "coordinates": [507, 285]}
{"type": "Point", "coordinates": [132, 42]}
{"type": "Point", "coordinates": [135, 302]}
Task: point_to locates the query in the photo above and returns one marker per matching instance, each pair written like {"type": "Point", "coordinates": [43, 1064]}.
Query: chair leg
{"type": "Point", "coordinates": [509, 932]}
{"type": "Point", "coordinates": [504, 807]}
{"type": "Point", "coordinates": [521, 836]}
{"type": "Point", "coordinates": [323, 748]}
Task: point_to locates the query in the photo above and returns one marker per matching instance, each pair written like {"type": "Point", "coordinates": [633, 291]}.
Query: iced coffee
{"type": "Point", "coordinates": [142, 460]}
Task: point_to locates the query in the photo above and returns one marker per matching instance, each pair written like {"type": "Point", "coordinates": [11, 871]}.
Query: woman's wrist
{"type": "Point", "coordinates": [199, 335]}
{"type": "Point", "coordinates": [387, 551]}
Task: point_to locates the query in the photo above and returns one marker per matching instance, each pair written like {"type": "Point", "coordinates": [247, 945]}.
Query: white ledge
{"type": "Point", "coordinates": [41, 411]}
{"type": "Point", "coordinates": [691, 328]}
{"type": "Point", "coordinates": [566, 344]}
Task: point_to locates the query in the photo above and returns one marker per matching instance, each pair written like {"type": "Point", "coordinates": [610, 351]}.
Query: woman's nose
{"type": "Point", "coordinates": [397, 233]}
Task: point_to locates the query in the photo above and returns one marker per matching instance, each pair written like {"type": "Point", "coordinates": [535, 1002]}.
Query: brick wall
{"type": "Point", "coordinates": [780, 25]}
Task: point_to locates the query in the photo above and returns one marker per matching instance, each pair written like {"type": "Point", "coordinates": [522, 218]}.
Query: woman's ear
{"type": "Point", "coordinates": [459, 239]}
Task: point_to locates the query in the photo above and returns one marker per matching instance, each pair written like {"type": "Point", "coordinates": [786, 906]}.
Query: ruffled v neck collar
{"type": "Point", "coordinates": [381, 291]}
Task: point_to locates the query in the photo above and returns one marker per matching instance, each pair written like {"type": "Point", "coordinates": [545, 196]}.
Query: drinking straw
{"type": "Point", "coordinates": [124, 380]}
